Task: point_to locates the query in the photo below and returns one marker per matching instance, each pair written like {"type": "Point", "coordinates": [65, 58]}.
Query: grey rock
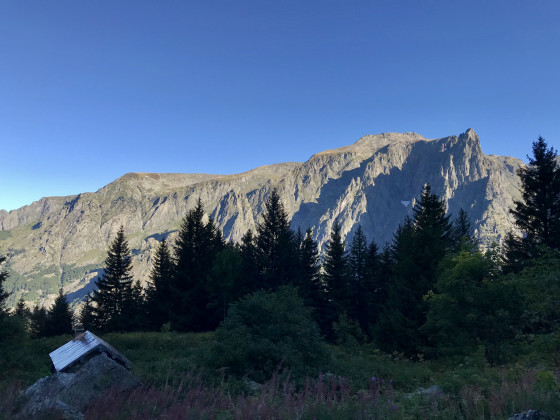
{"type": "Point", "coordinates": [373, 182]}
{"type": "Point", "coordinates": [252, 386]}
{"type": "Point", "coordinates": [70, 393]}
{"type": "Point", "coordinates": [531, 415]}
{"type": "Point", "coordinates": [432, 392]}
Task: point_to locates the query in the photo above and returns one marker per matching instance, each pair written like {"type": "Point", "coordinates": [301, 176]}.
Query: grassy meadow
{"type": "Point", "coordinates": [358, 382]}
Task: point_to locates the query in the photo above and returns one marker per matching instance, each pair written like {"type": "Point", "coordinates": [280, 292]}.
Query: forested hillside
{"type": "Point", "coordinates": [373, 184]}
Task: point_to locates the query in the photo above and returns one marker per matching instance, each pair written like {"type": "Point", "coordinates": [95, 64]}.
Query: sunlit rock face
{"type": "Point", "coordinates": [374, 182]}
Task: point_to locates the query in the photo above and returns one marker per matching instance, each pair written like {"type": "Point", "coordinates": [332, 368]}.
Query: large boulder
{"type": "Point", "coordinates": [70, 393]}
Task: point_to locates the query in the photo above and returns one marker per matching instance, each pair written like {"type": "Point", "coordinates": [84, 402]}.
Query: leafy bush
{"type": "Point", "coordinates": [266, 332]}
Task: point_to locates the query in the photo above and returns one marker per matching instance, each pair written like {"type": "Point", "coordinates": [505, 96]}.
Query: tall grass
{"type": "Point", "coordinates": [362, 384]}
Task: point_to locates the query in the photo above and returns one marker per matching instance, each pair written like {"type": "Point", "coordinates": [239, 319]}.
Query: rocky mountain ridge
{"type": "Point", "coordinates": [62, 241]}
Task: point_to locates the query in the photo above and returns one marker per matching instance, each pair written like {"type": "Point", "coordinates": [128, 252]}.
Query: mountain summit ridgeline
{"type": "Point", "coordinates": [61, 241]}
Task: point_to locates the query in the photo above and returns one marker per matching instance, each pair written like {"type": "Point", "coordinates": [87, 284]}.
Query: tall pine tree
{"type": "Point", "coordinates": [158, 299]}
{"type": "Point", "coordinates": [39, 322]}
{"type": "Point", "coordinates": [59, 317]}
{"type": "Point", "coordinates": [462, 234]}
{"type": "Point", "coordinates": [276, 245]}
{"type": "Point", "coordinates": [196, 247]}
{"type": "Point", "coordinates": [87, 316]}
{"type": "Point", "coordinates": [310, 285]}
{"type": "Point", "coordinates": [113, 297]}
{"type": "Point", "coordinates": [249, 263]}
{"type": "Point", "coordinates": [418, 248]}
{"type": "Point", "coordinates": [361, 280]}
{"type": "Point", "coordinates": [537, 215]}
{"type": "Point", "coordinates": [336, 280]}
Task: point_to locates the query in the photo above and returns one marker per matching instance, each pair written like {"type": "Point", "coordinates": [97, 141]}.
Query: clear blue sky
{"type": "Point", "coordinates": [90, 90]}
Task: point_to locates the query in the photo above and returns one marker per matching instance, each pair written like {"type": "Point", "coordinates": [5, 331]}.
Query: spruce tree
{"type": "Point", "coordinates": [249, 263]}
{"type": "Point", "coordinates": [361, 280]}
{"type": "Point", "coordinates": [380, 266]}
{"type": "Point", "coordinates": [462, 232]}
{"type": "Point", "coordinates": [158, 294]}
{"type": "Point", "coordinates": [195, 249]}
{"type": "Point", "coordinates": [537, 215]}
{"type": "Point", "coordinates": [136, 309]}
{"type": "Point", "coordinates": [113, 296]}
{"type": "Point", "coordinates": [393, 328]}
{"type": "Point", "coordinates": [59, 317]}
{"type": "Point", "coordinates": [38, 322]}
{"type": "Point", "coordinates": [21, 310]}
{"type": "Point", "coordinates": [276, 245]}
{"type": "Point", "coordinates": [309, 282]}
{"type": "Point", "coordinates": [225, 283]}
{"type": "Point", "coordinates": [87, 316]}
{"type": "Point", "coordinates": [336, 280]}
{"type": "Point", "coordinates": [418, 248]}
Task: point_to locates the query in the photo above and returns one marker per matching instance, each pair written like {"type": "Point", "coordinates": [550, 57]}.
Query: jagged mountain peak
{"type": "Point", "coordinates": [373, 182]}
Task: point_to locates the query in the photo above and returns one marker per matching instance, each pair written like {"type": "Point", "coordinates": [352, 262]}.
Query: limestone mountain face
{"type": "Point", "coordinates": [62, 241]}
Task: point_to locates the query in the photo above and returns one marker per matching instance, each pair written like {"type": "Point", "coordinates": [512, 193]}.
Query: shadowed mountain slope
{"type": "Point", "coordinates": [373, 182]}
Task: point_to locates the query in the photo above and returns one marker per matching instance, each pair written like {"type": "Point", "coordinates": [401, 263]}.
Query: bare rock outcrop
{"type": "Point", "coordinates": [373, 182]}
{"type": "Point", "coordinates": [70, 393]}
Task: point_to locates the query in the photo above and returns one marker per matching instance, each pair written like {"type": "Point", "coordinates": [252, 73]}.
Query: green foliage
{"type": "Point", "coordinates": [158, 302]}
{"type": "Point", "coordinates": [38, 322]}
{"type": "Point", "coordinates": [225, 283]}
{"type": "Point", "coordinates": [13, 336]}
{"type": "Point", "coordinates": [348, 332]}
{"type": "Point", "coordinates": [468, 305]}
{"type": "Point", "coordinates": [418, 247]}
{"type": "Point", "coordinates": [87, 316]}
{"type": "Point", "coordinates": [336, 280]}
{"type": "Point", "coordinates": [276, 247]}
{"type": "Point", "coordinates": [546, 381]}
{"type": "Point", "coordinates": [59, 317]}
{"type": "Point", "coordinates": [462, 233]}
{"type": "Point", "coordinates": [197, 245]}
{"type": "Point", "coordinates": [112, 301]}
{"type": "Point", "coordinates": [169, 364]}
{"type": "Point", "coordinates": [266, 332]}
{"type": "Point", "coordinates": [362, 263]}
{"type": "Point", "coordinates": [537, 215]}
{"type": "Point", "coordinates": [539, 285]}
{"type": "Point", "coordinates": [249, 263]}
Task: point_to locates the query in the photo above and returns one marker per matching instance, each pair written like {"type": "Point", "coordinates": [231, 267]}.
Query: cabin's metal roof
{"type": "Point", "coordinates": [85, 343]}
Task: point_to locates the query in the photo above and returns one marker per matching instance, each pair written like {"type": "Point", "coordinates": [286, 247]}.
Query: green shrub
{"type": "Point", "coordinates": [267, 332]}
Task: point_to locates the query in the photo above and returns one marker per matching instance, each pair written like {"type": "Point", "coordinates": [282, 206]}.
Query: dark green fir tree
{"type": "Point", "coordinates": [276, 245]}
{"type": "Point", "coordinates": [87, 316]}
{"type": "Point", "coordinates": [59, 317]}
{"type": "Point", "coordinates": [419, 246]}
{"type": "Point", "coordinates": [537, 214]}
{"type": "Point", "coordinates": [462, 233]}
{"type": "Point", "coordinates": [336, 280]}
{"type": "Point", "coordinates": [158, 294]}
{"type": "Point", "coordinates": [361, 280]}
{"type": "Point", "coordinates": [197, 245]}
{"type": "Point", "coordinates": [39, 322]}
{"type": "Point", "coordinates": [113, 296]}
